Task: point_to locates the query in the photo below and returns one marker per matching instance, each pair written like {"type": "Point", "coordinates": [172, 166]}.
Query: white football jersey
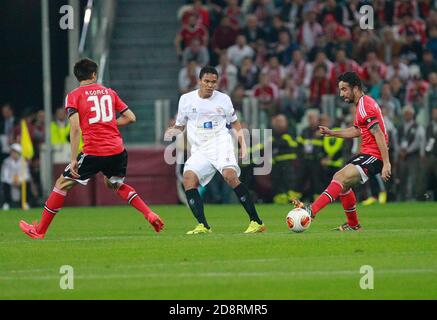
{"type": "Point", "coordinates": [206, 120]}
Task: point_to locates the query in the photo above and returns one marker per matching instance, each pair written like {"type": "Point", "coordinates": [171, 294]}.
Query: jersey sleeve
{"type": "Point", "coordinates": [367, 115]}
{"type": "Point", "coordinates": [231, 115]}
{"type": "Point", "coordinates": [120, 105]}
{"type": "Point", "coordinates": [356, 122]}
{"type": "Point", "coordinates": [71, 105]}
{"type": "Point", "coordinates": [181, 118]}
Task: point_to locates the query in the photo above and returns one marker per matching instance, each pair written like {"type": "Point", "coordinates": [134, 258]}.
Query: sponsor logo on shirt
{"type": "Point", "coordinates": [207, 125]}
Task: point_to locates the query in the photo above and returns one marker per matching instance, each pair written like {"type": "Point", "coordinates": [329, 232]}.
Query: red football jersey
{"type": "Point", "coordinates": [97, 107]}
{"type": "Point", "coordinates": [266, 93]}
{"type": "Point", "coordinates": [188, 35]}
{"type": "Point", "coordinates": [367, 115]}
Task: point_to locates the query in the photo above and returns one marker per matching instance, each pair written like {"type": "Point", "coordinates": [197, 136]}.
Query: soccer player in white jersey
{"type": "Point", "coordinates": [206, 113]}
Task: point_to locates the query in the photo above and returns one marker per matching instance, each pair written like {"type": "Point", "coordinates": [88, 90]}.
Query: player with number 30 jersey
{"type": "Point", "coordinates": [97, 107]}
{"type": "Point", "coordinates": [92, 109]}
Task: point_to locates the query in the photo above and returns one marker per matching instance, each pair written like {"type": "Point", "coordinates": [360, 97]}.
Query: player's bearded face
{"type": "Point", "coordinates": [346, 92]}
{"type": "Point", "coordinates": [208, 84]}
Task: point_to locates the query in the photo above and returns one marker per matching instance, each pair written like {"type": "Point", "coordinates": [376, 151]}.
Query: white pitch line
{"type": "Point", "coordinates": [145, 237]}
{"type": "Point", "coordinates": [222, 274]}
{"type": "Point", "coordinates": [371, 232]}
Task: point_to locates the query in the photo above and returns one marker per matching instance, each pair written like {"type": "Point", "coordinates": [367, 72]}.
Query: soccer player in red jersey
{"type": "Point", "coordinates": [92, 109]}
{"type": "Point", "coordinates": [372, 159]}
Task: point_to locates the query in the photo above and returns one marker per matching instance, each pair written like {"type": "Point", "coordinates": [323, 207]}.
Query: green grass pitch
{"type": "Point", "coordinates": [116, 255]}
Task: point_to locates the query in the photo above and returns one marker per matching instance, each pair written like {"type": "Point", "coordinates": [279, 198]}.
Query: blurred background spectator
{"type": "Point", "coordinates": [189, 77]}
{"type": "Point", "coordinates": [431, 156]}
{"type": "Point", "coordinates": [227, 74]}
{"type": "Point", "coordinates": [411, 138]}
{"type": "Point", "coordinates": [197, 52]}
{"type": "Point", "coordinates": [7, 124]}
{"type": "Point", "coordinates": [240, 50]}
{"type": "Point", "coordinates": [14, 172]}
{"type": "Point", "coordinates": [285, 152]}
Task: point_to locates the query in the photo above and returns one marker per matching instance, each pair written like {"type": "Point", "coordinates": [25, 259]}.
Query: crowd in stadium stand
{"type": "Point", "coordinates": [288, 54]}
{"type": "Point", "coordinates": [12, 170]}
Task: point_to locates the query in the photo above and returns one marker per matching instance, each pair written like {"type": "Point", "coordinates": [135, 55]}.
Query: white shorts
{"type": "Point", "coordinates": [205, 167]}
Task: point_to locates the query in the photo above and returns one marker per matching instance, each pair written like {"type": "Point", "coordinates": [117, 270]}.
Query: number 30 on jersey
{"type": "Point", "coordinates": [102, 109]}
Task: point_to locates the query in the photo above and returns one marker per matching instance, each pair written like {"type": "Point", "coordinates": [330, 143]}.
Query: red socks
{"type": "Point", "coordinates": [349, 202]}
{"type": "Point", "coordinates": [53, 205]}
{"type": "Point", "coordinates": [329, 195]}
{"type": "Point", "coordinates": [127, 193]}
{"type": "Point", "coordinates": [56, 200]}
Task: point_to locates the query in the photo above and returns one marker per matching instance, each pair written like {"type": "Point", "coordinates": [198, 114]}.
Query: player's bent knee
{"type": "Point", "coordinates": [113, 186]}
{"type": "Point", "coordinates": [348, 177]}
{"type": "Point", "coordinates": [231, 178]}
{"type": "Point", "coordinates": [190, 180]}
{"type": "Point", "coordinates": [60, 183]}
{"type": "Point", "coordinates": [64, 184]}
{"type": "Point", "coordinates": [339, 176]}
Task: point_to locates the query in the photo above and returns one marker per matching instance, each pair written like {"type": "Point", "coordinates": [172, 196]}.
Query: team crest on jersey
{"type": "Point", "coordinates": [220, 110]}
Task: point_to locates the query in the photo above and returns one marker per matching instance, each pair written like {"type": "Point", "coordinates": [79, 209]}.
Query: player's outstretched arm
{"type": "Point", "coordinates": [380, 141]}
{"type": "Point", "coordinates": [352, 132]}
{"type": "Point", "coordinates": [236, 125]}
{"type": "Point", "coordinates": [74, 143]}
{"type": "Point", "coordinates": [126, 118]}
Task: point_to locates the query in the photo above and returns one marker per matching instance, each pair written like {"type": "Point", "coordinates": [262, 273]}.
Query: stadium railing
{"type": "Point", "coordinates": [96, 32]}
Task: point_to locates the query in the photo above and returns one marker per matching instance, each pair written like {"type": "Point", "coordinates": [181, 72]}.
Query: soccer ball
{"type": "Point", "coordinates": [298, 220]}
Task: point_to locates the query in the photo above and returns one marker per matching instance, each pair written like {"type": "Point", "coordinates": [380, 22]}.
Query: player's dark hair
{"type": "Point", "coordinates": [206, 70]}
{"type": "Point", "coordinates": [352, 79]}
{"type": "Point", "coordinates": [84, 69]}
